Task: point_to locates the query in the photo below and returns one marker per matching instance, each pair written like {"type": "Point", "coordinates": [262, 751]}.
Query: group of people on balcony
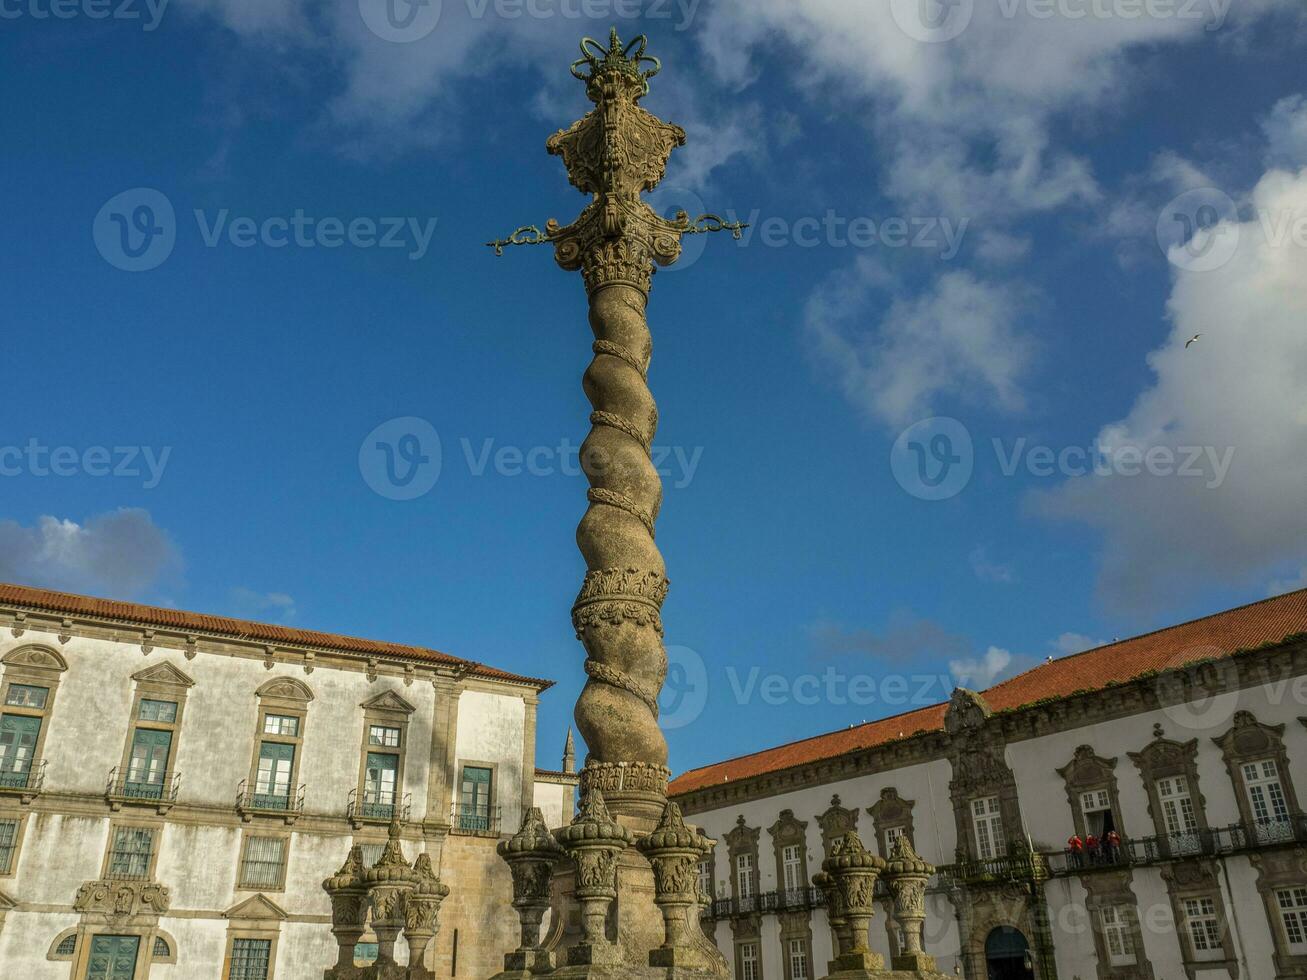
{"type": "Point", "coordinates": [1092, 849]}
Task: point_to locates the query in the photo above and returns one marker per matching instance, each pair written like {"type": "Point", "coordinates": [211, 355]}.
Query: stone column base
{"type": "Point", "coordinates": [895, 974]}
{"type": "Point", "coordinates": [861, 962]}
{"type": "Point", "coordinates": [529, 961]}
{"type": "Point", "coordinates": [915, 963]}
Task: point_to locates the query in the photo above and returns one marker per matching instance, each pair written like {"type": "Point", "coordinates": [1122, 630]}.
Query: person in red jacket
{"type": "Point", "coordinates": [1091, 848]}
{"type": "Point", "coordinates": [1076, 848]}
{"type": "Point", "coordinates": [1113, 842]}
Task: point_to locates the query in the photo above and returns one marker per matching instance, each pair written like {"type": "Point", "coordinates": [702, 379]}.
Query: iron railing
{"type": "Point", "coordinates": [475, 821]}
{"type": "Point", "coordinates": [371, 807]}
{"type": "Point", "coordinates": [135, 786]}
{"type": "Point", "coordinates": [28, 780]}
{"type": "Point", "coordinates": [289, 803]}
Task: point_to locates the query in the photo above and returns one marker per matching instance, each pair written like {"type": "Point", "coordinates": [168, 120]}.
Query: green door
{"type": "Point", "coordinates": [272, 786]}
{"type": "Point", "coordinates": [379, 785]}
{"type": "Point", "coordinates": [112, 957]}
{"type": "Point", "coordinates": [149, 764]}
{"type": "Point", "coordinates": [18, 734]}
{"type": "Point", "coordinates": [474, 809]}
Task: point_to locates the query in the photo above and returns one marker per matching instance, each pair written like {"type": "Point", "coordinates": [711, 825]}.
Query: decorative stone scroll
{"type": "Point", "coordinates": [121, 900]}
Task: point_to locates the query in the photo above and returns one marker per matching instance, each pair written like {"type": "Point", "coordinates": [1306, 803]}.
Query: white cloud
{"type": "Point", "coordinates": [978, 673]}
{"type": "Point", "coordinates": [959, 339]}
{"type": "Point", "coordinates": [249, 604]}
{"type": "Point", "coordinates": [1286, 132]}
{"type": "Point", "coordinates": [987, 570]}
{"type": "Point", "coordinates": [118, 554]}
{"type": "Point", "coordinates": [1068, 643]}
{"type": "Point", "coordinates": [1239, 389]}
{"type": "Point", "coordinates": [1282, 585]}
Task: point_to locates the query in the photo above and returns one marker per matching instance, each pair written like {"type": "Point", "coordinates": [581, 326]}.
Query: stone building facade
{"type": "Point", "coordinates": [1190, 744]}
{"type": "Point", "coordinates": [174, 788]}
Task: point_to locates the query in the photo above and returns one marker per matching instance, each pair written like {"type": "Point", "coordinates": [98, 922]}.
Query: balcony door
{"type": "Point", "coordinates": [272, 784]}
{"type": "Point", "coordinates": [474, 806]}
{"type": "Point", "coordinates": [380, 783]}
{"type": "Point", "coordinates": [18, 735]}
{"type": "Point", "coordinates": [148, 765]}
{"type": "Point", "coordinates": [113, 957]}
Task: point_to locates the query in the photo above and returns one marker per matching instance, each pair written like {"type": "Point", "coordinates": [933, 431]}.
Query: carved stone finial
{"type": "Point", "coordinates": [594, 841]}
{"type": "Point", "coordinates": [674, 850]}
{"type": "Point", "coordinates": [849, 878]}
{"type": "Point", "coordinates": [906, 876]}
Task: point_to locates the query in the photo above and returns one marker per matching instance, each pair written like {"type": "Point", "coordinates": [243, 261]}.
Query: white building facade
{"type": "Point", "coordinates": [1189, 744]}
{"type": "Point", "coordinates": [175, 787]}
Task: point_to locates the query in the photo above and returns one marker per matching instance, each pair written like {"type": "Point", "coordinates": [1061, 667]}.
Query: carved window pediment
{"type": "Point", "coordinates": [837, 821]}
{"type": "Point", "coordinates": [388, 701]}
{"type": "Point", "coordinates": [286, 689]}
{"type": "Point", "coordinates": [257, 908]}
{"type": "Point", "coordinates": [164, 675]}
{"type": "Point", "coordinates": [742, 838]}
{"type": "Point", "coordinates": [788, 829]}
{"type": "Point", "coordinates": [39, 657]}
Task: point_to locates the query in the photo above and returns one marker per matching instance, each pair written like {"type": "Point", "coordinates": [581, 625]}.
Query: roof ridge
{"type": "Point", "coordinates": [1141, 636]}
{"type": "Point", "coordinates": [59, 600]}
{"type": "Point", "coordinates": [811, 738]}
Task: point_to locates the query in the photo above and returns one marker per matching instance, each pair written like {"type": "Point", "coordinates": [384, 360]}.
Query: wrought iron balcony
{"type": "Point", "coordinates": [370, 807]}
{"type": "Point", "coordinates": [1213, 842]}
{"type": "Point", "coordinates": [785, 900]}
{"type": "Point", "coordinates": [157, 789]}
{"type": "Point", "coordinates": [288, 804]}
{"type": "Point", "coordinates": [474, 821]}
{"type": "Point", "coordinates": [25, 781]}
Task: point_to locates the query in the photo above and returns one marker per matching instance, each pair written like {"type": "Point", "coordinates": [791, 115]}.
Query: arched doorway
{"type": "Point", "coordinates": [1007, 955]}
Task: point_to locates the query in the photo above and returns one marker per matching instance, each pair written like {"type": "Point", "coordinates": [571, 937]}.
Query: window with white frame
{"type": "Point", "coordinates": [1265, 792]}
{"type": "Point", "coordinates": [892, 835]}
{"type": "Point", "coordinates": [792, 867]}
{"type": "Point", "coordinates": [705, 878]}
{"type": "Point", "coordinates": [1178, 813]}
{"type": "Point", "coordinates": [798, 959]}
{"type": "Point", "coordinates": [987, 820]}
{"type": "Point", "coordinates": [288, 725]}
{"type": "Point", "coordinates": [745, 881]}
{"type": "Point", "coordinates": [383, 735]}
{"type": "Point", "coordinates": [1116, 936]}
{"type": "Point", "coordinates": [748, 961]}
{"type": "Point", "coordinates": [1293, 911]}
{"type": "Point", "coordinates": [27, 696]}
{"type": "Point", "coordinates": [1204, 927]}
{"type": "Point", "coordinates": [1096, 806]}
{"type": "Point", "coordinates": [263, 865]}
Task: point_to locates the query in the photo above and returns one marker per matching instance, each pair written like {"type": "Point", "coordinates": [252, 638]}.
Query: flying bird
{"type": "Point", "coordinates": [1191, 341]}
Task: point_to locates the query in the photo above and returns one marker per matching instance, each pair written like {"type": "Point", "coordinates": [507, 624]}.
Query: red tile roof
{"type": "Point", "coordinates": [1220, 635]}
{"type": "Point", "coordinates": [240, 629]}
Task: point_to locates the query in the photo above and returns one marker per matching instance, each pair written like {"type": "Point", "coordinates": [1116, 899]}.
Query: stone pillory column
{"type": "Point", "coordinates": [614, 154]}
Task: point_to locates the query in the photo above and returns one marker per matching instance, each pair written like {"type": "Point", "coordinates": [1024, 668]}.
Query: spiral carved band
{"type": "Point", "coordinates": [619, 678]}
{"type": "Point", "coordinates": [617, 350]}
{"type": "Point", "coordinates": [614, 498]}
{"type": "Point", "coordinates": [621, 425]}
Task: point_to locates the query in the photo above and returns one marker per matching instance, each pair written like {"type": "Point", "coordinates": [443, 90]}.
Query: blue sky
{"type": "Point", "coordinates": [1008, 216]}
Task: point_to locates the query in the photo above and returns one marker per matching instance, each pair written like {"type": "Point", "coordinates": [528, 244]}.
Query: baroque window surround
{"type": "Point", "coordinates": [1163, 758]}
{"type": "Point", "coordinates": [835, 823]}
{"type": "Point", "coordinates": [890, 812]}
{"type": "Point", "coordinates": [710, 859]}
{"type": "Point", "coordinates": [980, 770]}
{"type": "Point", "coordinates": [37, 666]}
{"type": "Point", "coordinates": [255, 918]}
{"type": "Point", "coordinates": [161, 682]}
{"type": "Point", "coordinates": [743, 841]}
{"type": "Point", "coordinates": [389, 710]}
{"type": "Point", "coordinates": [290, 698]}
{"type": "Point", "coordinates": [797, 927]}
{"type": "Point", "coordinates": [1198, 879]}
{"type": "Point", "coordinates": [1276, 871]}
{"type": "Point", "coordinates": [788, 831]}
{"type": "Point", "coordinates": [1087, 772]}
{"type": "Point", "coordinates": [1113, 890]}
{"type": "Point", "coordinates": [1248, 740]}
{"type": "Point", "coordinates": [747, 931]}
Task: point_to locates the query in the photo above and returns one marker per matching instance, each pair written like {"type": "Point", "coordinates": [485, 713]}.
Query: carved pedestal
{"type": "Point", "coordinates": [594, 841]}
{"type": "Point", "coordinates": [348, 914]}
{"type": "Point", "coordinates": [906, 876]}
{"type": "Point", "coordinates": [849, 880]}
{"type": "Point", "coordinates": [531, 855]}
{"type": "Point", "coordinates": [674, 851]}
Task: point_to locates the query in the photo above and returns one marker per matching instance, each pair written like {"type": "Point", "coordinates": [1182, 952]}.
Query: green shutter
{"type": "Point", "coordinates": [18, 736]}
{"type": "Point", "coordinates": [112, 958]}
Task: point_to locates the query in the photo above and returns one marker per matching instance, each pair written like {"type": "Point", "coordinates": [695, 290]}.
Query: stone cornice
{"type": "Point", "coordinates": [58, 630]}
{"type": "Point", "coordinates": [1272, 664]}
